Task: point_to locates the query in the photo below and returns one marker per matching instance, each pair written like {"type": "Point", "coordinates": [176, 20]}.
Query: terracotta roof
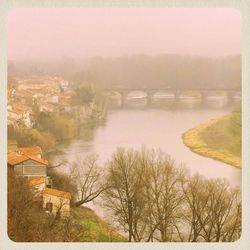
{"type": "Point", "coordinates": [15, 158]}
{"type": "Point", "coordinates": [55, 192]}
{"type": "Point", "coordinates": [11, 120]}
{"type": "Point", "coordinates": [20, 107]}
{"type": "Point", "coordinates": [16, 111]}
{"type": "Point", "coordinates": [34, 158]}
{"type": "Point", "coordinates": [24, 92]}
{"type": "Point", "coordinates": [30, 150]}
{"type": "Point", "coordinates": [36, 181]}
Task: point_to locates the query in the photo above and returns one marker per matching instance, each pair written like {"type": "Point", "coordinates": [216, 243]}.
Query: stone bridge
{"type": "Point", "coordinates": [150, 92]}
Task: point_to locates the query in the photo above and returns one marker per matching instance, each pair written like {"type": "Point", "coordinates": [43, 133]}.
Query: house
{"type": "Point", "coordinates": [47, 107]}
{"type": "Point", "coordinates": [52, 99]}
{"type": "Point", "coordinates": [11, 121]}
{"type": "Point", "coordinates": [37, 186]}
{"type": "Point", "coordinates": [64, 85]}
{"type": "Point", "coordinates": [25, 97]}
{"type": "Point", "coordinates": [14, 114]}
{"type": "Point", "coordinates": [11, 93]}
{"type": "Point", "coordinates": [56, 202]}
{"type": "Point", "coordinates": [33, 150]}
{"type": "Point", "coordinates": [27, 165]}
{"type": "Point", "coordinates": [20, 112]}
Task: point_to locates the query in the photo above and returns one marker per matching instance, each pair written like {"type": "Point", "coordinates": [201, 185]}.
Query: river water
{"type": "Point", "coordinates": [153, 128]}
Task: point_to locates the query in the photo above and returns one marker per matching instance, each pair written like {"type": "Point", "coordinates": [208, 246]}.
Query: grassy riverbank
{"type": "Point", "coordinates": [95, 229]}
{"type": "Point", "coordinates": [219, 139]}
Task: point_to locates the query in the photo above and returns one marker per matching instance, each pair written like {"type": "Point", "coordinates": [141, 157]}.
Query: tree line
{"type": "Point", "coordinates": [137, 70]}
{"type": "Point", "coordinates": [164, 70]}
{"type": "Point", "coordinates": [152, 198]}
{"type": "Point", "coordinates": [145, 192]}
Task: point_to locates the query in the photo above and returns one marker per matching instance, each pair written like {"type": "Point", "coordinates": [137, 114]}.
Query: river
{"type": "Point", "coordinates": [153, 128]}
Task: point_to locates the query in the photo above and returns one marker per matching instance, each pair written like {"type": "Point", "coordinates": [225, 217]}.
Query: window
{"type": "Point", "coordinates": [49, 206]}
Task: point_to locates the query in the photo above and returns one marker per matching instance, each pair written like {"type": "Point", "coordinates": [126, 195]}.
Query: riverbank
{"type": "Point", "coordinates": [95, 229]}
{"type": "Point", "coordinates": [219, 139]}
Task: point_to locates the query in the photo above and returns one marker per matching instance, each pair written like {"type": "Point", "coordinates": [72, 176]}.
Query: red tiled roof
{"type": "Point", "coordinates": [15, 158]}
{"type": "Point", "coordinates": [11, 119]}
{"type": "Point", "coordinates": [34, 158]}
{"type": "Point", "coordinates": [34, 150]}
{"type": "Point", "coordinates": [20, 107]}
{"type": "Point", "coordinates": [55, 192]}
{"type": "Point", "coordinates": [16, 111]}
{"type": "Point", "coordinates": [36, 181]}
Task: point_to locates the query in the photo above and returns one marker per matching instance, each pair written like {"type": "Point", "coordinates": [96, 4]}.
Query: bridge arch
{"type": "Point", "coordinates": [204, 95]}
{"type": "Point", "coordinates": [136, 98]}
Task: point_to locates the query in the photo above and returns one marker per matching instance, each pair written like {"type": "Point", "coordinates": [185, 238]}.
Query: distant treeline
{"type": "Point", "coordinates": [167, 70]}
{"type": "Point", "coordinates": [144, 71]}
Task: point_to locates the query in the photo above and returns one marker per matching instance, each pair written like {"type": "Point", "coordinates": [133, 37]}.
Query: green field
{"type": "Point", "coordinates": [219, 139]}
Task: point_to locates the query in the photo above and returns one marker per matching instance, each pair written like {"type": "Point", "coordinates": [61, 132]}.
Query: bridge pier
{"type": "Point", "coordinates": [150, 95]}
{"type": "Point", "coordinates": [203, 98]}
{"type": "Point", "coordinates": [177, 95]}
{"type": "Point", "coordinates": [230, 97]}
{"type": "Point", "coordinates": [123, 98]}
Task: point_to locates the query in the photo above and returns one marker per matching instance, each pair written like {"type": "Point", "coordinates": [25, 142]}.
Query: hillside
{"type": "Point", "coordinates": [95, 229]}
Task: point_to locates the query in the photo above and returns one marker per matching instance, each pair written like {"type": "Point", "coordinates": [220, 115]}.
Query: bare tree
{"type": "Point", "coordinates": [87, 176]}
{"type": "Point", "coordinates": [154, 199]}
{"type": "Point", "coordinates": [233, 226]}
{"type": "Point", "coordinates": [225, 212]}
{"type": "Point", "coordinates": [124, 196]}
{"type": "Point", "coordinates": [196, 197]}
{"type": "Point", "coordinates": [164, 195]}
{"type": "Point", "coordinates": [212, 211]}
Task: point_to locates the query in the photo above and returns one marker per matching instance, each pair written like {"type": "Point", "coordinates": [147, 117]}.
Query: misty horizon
{"type": "Point", "coordinates": [81, 34]}
{"type": "Point", "coordinates": [90, 58]}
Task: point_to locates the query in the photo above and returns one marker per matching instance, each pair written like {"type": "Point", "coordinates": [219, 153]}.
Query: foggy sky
{"type": "Point", "coordinates": [78, 33]}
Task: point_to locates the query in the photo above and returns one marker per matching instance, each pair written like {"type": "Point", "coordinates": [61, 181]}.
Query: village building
{"type": "Point", "coordinates": [53, 98]}
{"type": "Point", "coordinates": [56, 202]}
{"type": "Point", "coordinates": [18, 112]}
{"type": "Point", "coordinates": [24, 97]}
{"type": "Point", "coordinates": [11, 93]}
{"type": "Point", "coordinates": [27, 162]}
{"type": "Point", "coordinates": [37, 187]}
{"type": "Point", "coordinates": [64, 85]}
{"type": "Point", "coordinates": [11, 121]}
{"type": "Point", "coordinates": [48, 107]}
{"type": "Point", "coordinates": [33, 150]}
{"type": "Point", "coordinates": [27, 165]}
{"type": "Point", "coordinates": [14, 114]}
{"type": "Point", "coordinates": [31, 84]}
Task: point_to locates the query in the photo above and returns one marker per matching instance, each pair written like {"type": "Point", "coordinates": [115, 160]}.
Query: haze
{"type": "Point", "coordinates": [42, 34]}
